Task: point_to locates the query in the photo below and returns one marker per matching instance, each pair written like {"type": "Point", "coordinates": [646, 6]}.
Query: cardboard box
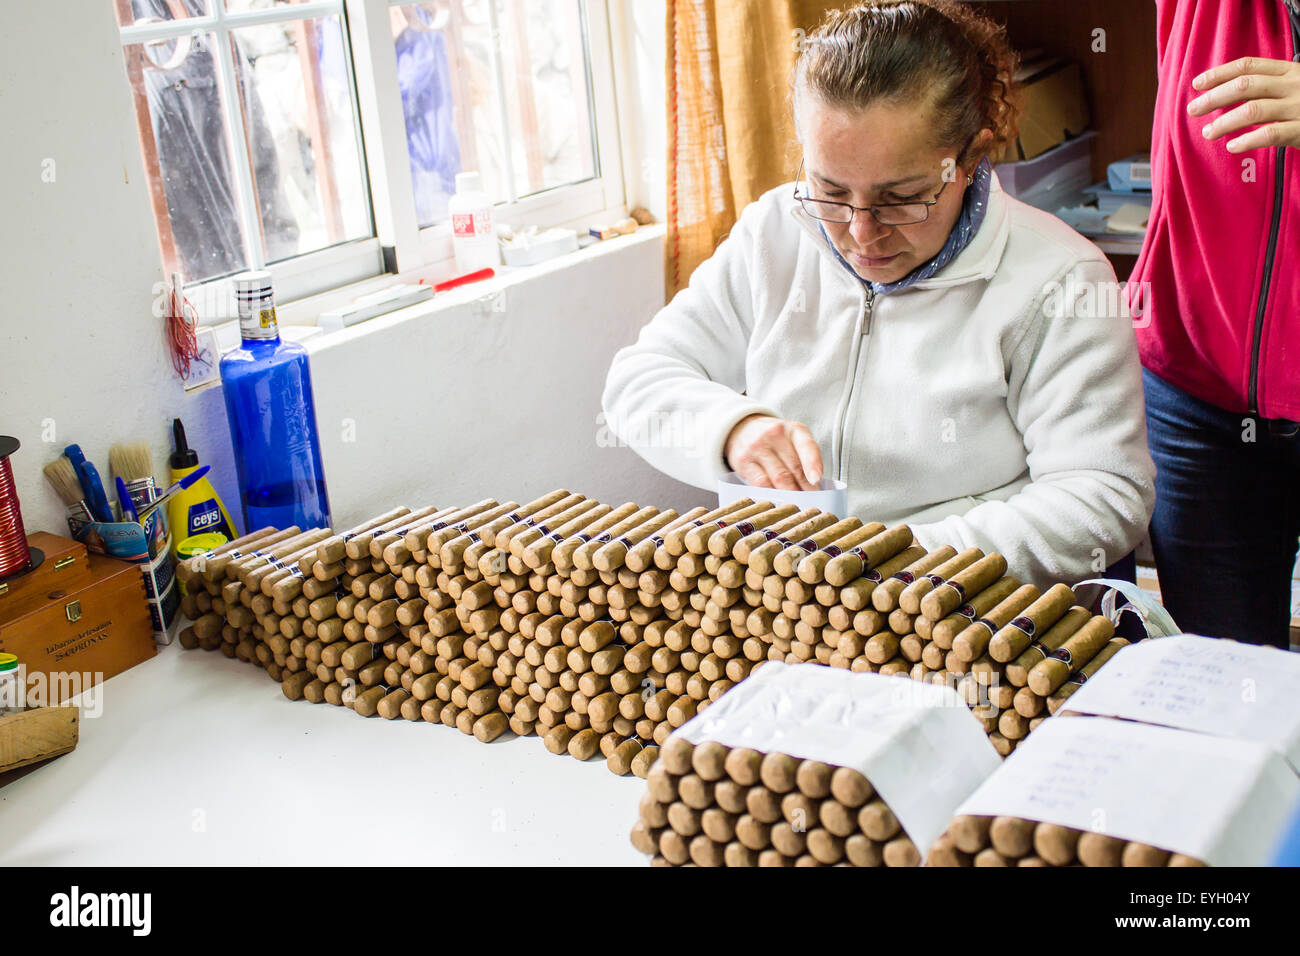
{"type": "Point", "coordinates": [1055, 108]}
{"type": "Point", "coordinates": [31, 736]}
{"type": "Point", "coordinates": [69, 638]}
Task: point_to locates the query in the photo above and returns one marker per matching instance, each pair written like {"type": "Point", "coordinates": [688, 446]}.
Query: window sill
{"type": "Point", "coordinates": [298, 319]}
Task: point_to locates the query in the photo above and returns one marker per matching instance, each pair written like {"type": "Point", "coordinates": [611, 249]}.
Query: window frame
{"type": "Point", "coordinates": [398, 244]}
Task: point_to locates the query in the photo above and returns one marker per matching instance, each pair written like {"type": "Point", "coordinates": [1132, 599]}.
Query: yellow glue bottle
{"type": "Point", "coordinates": [196, 510]}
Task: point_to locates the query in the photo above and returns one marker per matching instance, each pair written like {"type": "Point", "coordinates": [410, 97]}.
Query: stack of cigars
{"type": "Point", "coordinates": [601, 629]}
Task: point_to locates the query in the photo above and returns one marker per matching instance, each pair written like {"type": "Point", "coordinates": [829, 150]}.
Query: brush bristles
{"type": "Point", "coordinates": [131, 462]}
{"type": "Point", "coordinates": [63, 478]}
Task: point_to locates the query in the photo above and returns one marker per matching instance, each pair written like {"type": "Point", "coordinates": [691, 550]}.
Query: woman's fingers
{"type": "Point", "coordinates": [1267, 137]}
{"type": "Point", "coordinates": [810, 456]}
{"type": "Point", "coordinates": [1252, 113]}
{"type": "Point", "coordinates": [771, 453]}
{"type": "Point", "coordinates": [1265, 94]}
{"type": "Point", "coordinates": [1247, 87]}
{"type": "Point", "coordinates": [1245, 66]}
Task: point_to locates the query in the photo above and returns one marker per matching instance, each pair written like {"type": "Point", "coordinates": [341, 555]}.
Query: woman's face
{"type": "Point", "coordinates": [883, 154]}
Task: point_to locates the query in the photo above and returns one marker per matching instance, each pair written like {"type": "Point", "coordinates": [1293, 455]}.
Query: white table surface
{"type": "Point", "coordinates": [200, 760]}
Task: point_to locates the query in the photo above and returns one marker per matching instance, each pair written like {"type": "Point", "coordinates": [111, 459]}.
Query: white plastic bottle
{"type": "Point", "coordinates": [473, 237]}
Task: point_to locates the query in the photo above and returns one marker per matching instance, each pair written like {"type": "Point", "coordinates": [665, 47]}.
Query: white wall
{"type": "Point", "coordinates": [445, 409]}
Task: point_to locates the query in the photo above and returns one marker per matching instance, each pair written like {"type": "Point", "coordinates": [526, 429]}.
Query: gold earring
{"type": "Point", "coordinates": [969, 180]}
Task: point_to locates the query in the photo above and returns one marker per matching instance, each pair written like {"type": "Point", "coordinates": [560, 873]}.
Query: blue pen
{"type": "Point", "coordinates": [88, 475]}
{"type": "Point", "coordinates": [181, 485]}
{"type": "Point", "coordinates": [124, 498]}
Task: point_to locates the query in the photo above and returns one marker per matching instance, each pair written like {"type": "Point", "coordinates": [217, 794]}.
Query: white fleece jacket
{"type": "Point", "coordinates": [997, 404]}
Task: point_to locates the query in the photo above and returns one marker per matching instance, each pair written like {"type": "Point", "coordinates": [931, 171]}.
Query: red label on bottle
{"type": "Point", "coordinates": [462, 224]}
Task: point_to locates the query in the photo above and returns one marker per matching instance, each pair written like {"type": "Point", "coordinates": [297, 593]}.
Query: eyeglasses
{"type": "Point", "coordinates": [887, 214]}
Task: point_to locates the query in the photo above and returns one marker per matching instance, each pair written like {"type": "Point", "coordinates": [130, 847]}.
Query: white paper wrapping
{"type": "Point", "coordinates": [918, 744]}
{"type": "Point", "coordinates": [830, 495]}
{"type": "Point", "coordinates": [1225, 802]}
{"type": "Point", "coordinates": [1202, 684]}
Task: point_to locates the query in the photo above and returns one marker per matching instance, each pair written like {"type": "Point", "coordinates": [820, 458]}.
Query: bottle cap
{"type": "Point", "coordinates": [255, 282]}
{"type": "Point", "coordinates": [8, 662]}
{"type": "Point", "coordinates": [184, 456]}
{"type": "Point", "coordinates": [470, 182]}
{"type": "Point", "coordinates": [200, 544]}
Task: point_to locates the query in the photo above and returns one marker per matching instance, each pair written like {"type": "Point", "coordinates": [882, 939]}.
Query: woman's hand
{"type": "Point", "coordinates": [1269, 94]}
{"type": "Point", "coordinates": [769, 452]}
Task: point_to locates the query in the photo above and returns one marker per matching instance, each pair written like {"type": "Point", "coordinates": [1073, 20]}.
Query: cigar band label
{"type": "Point", "coordinates": [961, 591]}
{"type": "Point", "coordinates": [347, 536]}
{"type": "Point", "coordinates": [461, 526]}
{"type": "Point", "coordinates": [1025, 624]}
{"type": "Point", "coordinates": [859, 552]}
{"type": "Point", "coordinates": [719, 524]}
{"type": "Point", "coordinates": [992, 628]}
{"type": "Point", "coordinates": [1079, 678]}
{"type": "Point", "coordinates": [657, 540]}
{"type": "Point", "coordinates": [1041, 648]}
{"type": "Point", "coordinates": [473, 536]}
{"type": "Point", "coordinates": [437, 526]}
{"type": "Point", "coordinates": [833, 550]}
{"type": "Point", "coordinates": [907, 577]}
{"type": "Point", "coordinates": [544, 530]}
{"type": "Point", "coordinates": [583, 537]}
{"type": "Point", "coordinates": [770, 535]}
{"type": "Point", "coordinates": [269, 558]}
{"type": "Point", "coordinates": [746, 527]}
{"type": "Point", "coordinates": [513, 517]}
{"type": "Point", "coordinates": [698, 524]}
{"type": "Point", "coordinates": [935, 579]}
{"type": "Point", "coordinates": [234, 554]}
{"type": "Point", "coordinates": [555, 536]}
{"type": "Point", "coordinates": [603, 537]}
{"type": "Point", "coordinates": [1063, 655]}
{"type": "Point", "coordinates": [808, 544]}
{"type": "Point", "coordinates": [624, 541]}
{"type": "Point", "coordinates": [874, 576]}
{"type": "Point", "coordinates": [967, 611]}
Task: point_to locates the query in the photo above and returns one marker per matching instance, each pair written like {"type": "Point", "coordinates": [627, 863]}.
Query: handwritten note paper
{"type": "Point", "coordinates": [1202, 684]}
{"type": "Point", "coordinates": [918, 744]}
{"type": "Point", "coordinates": [1226, 802]}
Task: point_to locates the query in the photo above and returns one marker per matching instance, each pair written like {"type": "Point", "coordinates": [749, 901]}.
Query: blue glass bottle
{"type": "Point", "coordinates": [267, 385]}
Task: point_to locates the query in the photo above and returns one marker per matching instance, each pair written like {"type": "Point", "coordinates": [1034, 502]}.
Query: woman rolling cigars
{"type": "Point", "coordinates": [896, 321]}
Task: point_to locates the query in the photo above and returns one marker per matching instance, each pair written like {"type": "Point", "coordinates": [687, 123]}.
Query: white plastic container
{"type": "Point", "coordinates": [473, 237]}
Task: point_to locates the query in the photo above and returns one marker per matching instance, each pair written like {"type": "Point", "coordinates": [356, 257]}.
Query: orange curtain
{"type": "Point", "coordinates": [730, 132]}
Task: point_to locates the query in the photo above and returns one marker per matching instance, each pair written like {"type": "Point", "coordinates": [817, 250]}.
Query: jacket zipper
{"type": "Point", "coordinates": [864, 323]}
{"type": "Point", "coordinates": [1279, 195]}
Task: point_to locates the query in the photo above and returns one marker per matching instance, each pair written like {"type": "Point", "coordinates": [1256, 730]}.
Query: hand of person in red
{"type": "Point", "coordinates": [1264, 93]}
{"type": "Point", "coordinates": [769, 452]}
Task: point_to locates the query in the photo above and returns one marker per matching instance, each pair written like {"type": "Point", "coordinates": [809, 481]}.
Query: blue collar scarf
{"type": "Point", "coordinates": [974, 206]}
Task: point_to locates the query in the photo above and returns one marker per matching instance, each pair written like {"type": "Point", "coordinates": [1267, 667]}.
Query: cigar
{"type": "Point", "coordinates": [214, 567]}
{"type": "Point", "coordinates": [612, 555]}
{"type": "Point", "coordinates": [786, 561]}
{"type": "Point", "coordinates": [1049, 674]}
{"type": "Point", "coordinates": [973, 641]}
{"type": "Point", "coordinates": [761, 557]}
{"type": "Point", "coordinates": [885, 597]}
{"type": "Point", "coordinates": [851, 559]}
{"type": "Point", "coordinates": [1010, 642]}
{"type": "Point", "coordinates": [1011, 837]}
{"type": "Point", "coordinates": [1085, 673]}
{"type": "Point", "coordinates": [956, 590]}
{"type": "Point", "coordinates": [910, 598]}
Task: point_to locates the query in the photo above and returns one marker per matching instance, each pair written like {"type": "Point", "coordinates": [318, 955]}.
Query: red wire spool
{"type": "Point", "coordinates": [15, 556]}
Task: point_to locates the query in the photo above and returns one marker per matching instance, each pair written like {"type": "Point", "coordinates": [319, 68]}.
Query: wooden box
{"type": "Point", "coordinates": [30, 736]}
{"type": "Point", "coordinates": [76, 632]}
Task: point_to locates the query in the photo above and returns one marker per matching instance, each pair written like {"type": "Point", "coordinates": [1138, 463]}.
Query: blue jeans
{"type": "Point", "coordinates": [1227, 515]}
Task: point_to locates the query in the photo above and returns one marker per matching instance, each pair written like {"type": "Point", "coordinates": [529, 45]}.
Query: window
{"type": "Point", "coordinates": [321, 139]}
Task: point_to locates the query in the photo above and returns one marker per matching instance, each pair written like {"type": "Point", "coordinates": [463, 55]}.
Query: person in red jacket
{"type": "Point", "coordinates": [1219, 327]}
